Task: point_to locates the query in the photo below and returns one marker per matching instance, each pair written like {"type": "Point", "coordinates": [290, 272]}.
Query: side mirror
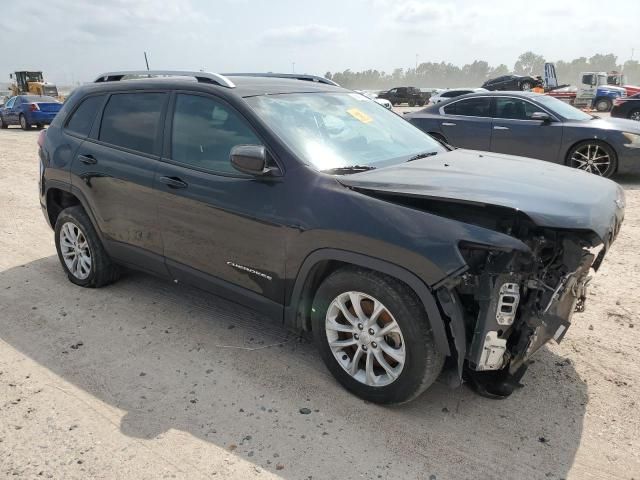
{"type": "Point", "coordinates": [250, 159]}
{"type": "Point", "coordinates": [541, 116]}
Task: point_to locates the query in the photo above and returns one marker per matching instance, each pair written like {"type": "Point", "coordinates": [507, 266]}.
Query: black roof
{"type": "Point", "coordinates": [245, 86]}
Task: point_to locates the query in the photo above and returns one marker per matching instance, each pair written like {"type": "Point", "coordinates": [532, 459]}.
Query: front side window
{"type": "Point", "coordinates": [131, 120]}
{"type": "Point", "coordinates": [82, 119]}
{"type": "Point", "coordinates": [514, 109]}
{"type": "Point", "coordinates": [204, 132]}
{"type": "Point", "coordinates": [470, 107]}
{"type": "Point", "coordinates": [339, 130]}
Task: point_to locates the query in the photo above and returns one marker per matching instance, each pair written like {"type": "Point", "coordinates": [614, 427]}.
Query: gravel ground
{"type": "Point", "coordinates": [144, 379]}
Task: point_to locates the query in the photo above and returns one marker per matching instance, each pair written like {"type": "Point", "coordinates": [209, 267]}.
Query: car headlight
{"type": "Point", "coordinates": [633, 139]}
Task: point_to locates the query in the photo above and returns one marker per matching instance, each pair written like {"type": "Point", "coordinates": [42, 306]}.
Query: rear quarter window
{"type": "Point", "coordinates": [131, 120]}
{"type": "Point", "coordinates": [82, 118]}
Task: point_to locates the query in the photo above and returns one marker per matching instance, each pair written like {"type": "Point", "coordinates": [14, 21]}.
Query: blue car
{"type": "Point", "coordinates": [28, 111]}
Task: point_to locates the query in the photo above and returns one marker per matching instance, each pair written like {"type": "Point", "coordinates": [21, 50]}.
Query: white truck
{"type": "Point", "coordinates": [593, 91]}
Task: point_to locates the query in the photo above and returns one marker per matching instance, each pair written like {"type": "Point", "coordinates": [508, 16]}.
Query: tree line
{"type": "Point", "coordinates": [447, 75]}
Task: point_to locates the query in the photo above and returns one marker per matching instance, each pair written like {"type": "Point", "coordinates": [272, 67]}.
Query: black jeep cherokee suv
{"type": "Point", "coordinates": [326, 211]}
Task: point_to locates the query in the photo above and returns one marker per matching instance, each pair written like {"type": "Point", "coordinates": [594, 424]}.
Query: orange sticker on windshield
{"type": "Point", "coordinates": [359, 115]}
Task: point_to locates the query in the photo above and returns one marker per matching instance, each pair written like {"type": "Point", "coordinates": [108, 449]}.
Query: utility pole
{"type": "Point", "coordinates": [417, 62]}
{"type": "Point", "coordinates": [146, 60]}
{"type": "Point", "coordinates": [293, 67]}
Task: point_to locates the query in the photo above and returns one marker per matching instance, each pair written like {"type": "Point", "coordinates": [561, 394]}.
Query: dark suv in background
{"type": "Point", "coordinates": [314, 205]}
{"type": "Point", "coordinates": [412, 96]}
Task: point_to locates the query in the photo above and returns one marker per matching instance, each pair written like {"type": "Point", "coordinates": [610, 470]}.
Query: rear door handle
{"type": "Point", "coordinates": [173, 182]}
{"type": "Point", "coordinates": [498, 127]}
{"type": "Point", "coordinates": [87, 159]}
{"type": "Point", "coordinates": [448, 124]}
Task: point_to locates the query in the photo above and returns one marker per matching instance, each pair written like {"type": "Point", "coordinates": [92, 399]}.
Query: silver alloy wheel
{"type": "Point", "coordinates": [75, 250]}
{"type": "Point", "coordinates": [635, 116]}
{"type": "Point", "coordinates": [591, 158]}
{"type": "Point", "coordinates": [365, 339]}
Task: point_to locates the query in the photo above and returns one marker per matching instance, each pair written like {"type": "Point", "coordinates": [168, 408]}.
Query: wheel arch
{"type": "Point", "coordinates": [59, 196]}
{"type": "Point", "coordinates": [320, 263]}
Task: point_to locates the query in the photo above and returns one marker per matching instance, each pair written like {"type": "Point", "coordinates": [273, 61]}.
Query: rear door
{"type": "Point", "coordinates": [515, 133]}
{"type": "Point", "coordinates": [466, 123]}
{"type": "Point", "coordinates": [216, 222]}
{"type": "Point", "coordinates": [114, 168]}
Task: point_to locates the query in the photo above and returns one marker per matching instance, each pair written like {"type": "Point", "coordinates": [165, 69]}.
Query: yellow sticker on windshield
{"type": "Point", "coordinates": [359, 115]}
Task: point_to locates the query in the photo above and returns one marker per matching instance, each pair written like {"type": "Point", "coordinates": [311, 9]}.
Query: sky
{"type": "Point", "coordinates": [76, 40]}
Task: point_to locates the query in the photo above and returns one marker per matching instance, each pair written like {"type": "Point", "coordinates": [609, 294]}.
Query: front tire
{"type": "Point", "coordinates": [594, 157]}
{"type": "Point", "coordinates": [80, 250]}
{"type": "Point", "coordinates": [374, 336]}
{"type": "Point", "coordinates": [633, 115]}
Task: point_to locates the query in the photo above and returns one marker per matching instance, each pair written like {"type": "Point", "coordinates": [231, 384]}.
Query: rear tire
{"type": "Point", "coordinates": [409, 361]}
{"type": "Point", "coordinates": [23, 123]}
{"type": "Point", "coordinates": [3, 125]}
{"type": "Point", "coordinates": [80, 250]}
{"type": "Point", "coordinates": [633, 115]}
{"type": "Point", "coordinates": [603, 105]}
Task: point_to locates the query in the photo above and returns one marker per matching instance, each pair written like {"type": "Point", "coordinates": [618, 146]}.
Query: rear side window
{"type": "Point", "coordinates": [82, 119]}
{"type": "Point", "coordinates": [131, 120]}
{"type": "Point", "coordinates": [205, 131]}
{"type": "Point", "coordinates": [470, 107]}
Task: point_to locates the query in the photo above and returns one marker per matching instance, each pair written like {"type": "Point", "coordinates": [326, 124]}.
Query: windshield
{"type": "Point", "coordinates": [563, 109]}
{"type": "Point", "coordinates": [334, 130]}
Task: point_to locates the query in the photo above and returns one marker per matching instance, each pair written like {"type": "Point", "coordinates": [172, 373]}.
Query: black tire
{"type": "Point", "coordinates": [412, 103]}
{"type": "Point", "coordinates": [633, 115]}
{"type": "Point", "coordinates": [603, 105]}
{"type": "Point", "coordinates": [3, 124]}
{"type": "Point", "coordinates": [423, 362]}
{"type": "Point", "coordinates": [39, 126]}
{"type": "Point", "coordinates": [24, 125]}
{"type": "Point", "coordinates": [613, 162]}
{"type": "Point", "coordinates": [103, 270]}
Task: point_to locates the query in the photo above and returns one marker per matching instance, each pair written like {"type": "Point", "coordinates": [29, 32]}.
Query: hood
{"type": "Point", "coordinates": [550, 195]}
{"type": "Point", "coordinates": [613, 123]}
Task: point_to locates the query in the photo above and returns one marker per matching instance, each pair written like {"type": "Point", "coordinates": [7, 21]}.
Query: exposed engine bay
{"type": "Point", "coordinates": [513, 302]}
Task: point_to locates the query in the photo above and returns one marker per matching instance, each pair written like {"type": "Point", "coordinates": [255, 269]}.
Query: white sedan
{"type": "Point", "coordinates": [451, 93]}
{"type": "Point", "coordinates": [382, 101]}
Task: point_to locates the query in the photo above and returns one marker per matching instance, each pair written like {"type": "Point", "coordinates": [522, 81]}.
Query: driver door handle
{"type": "Point", "coordinates": [448, 124]}
{"type": "Point", "coordinates": [498, 127]}
{"type": "Point", "coordinates": [87, 159]}
{"type": "Point", "coordinates": [173, 182]}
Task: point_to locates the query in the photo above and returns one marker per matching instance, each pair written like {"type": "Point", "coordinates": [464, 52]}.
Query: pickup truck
{"type": "Point", "coordinates": [410, 95]}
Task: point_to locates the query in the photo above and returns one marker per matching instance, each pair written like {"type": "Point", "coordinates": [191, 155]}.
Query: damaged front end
{"type": "Point", "coordinates": [513, 303]}
{"type": "Point", "coordinates": [510, 303]}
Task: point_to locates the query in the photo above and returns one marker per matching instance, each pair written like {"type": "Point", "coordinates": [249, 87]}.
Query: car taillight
{"type": "Point", "coordinates": [41, 138]}
{"type": "Point", "coordinates": [34, 107]}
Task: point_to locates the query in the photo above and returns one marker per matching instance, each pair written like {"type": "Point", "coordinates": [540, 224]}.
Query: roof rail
{"type": "Point", "coordinates": [292, 76]}
{"type": "Point", "coordinates": [202, 77]}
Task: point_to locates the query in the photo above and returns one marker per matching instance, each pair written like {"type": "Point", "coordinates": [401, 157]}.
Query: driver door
{"type": "Point", "coordinates": [513, 132]}
{"type": "Point", "coordinates": [218, 225]}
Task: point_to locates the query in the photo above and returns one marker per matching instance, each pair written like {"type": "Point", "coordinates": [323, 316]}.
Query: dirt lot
{"type": "Point", "coordinates": [144, 379]}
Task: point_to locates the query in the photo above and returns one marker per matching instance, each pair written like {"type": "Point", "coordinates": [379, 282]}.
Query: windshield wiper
{"type": "Point", "coordinates": [422, 155]}
{"type": "Point", "coordinates": [348, 169]}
